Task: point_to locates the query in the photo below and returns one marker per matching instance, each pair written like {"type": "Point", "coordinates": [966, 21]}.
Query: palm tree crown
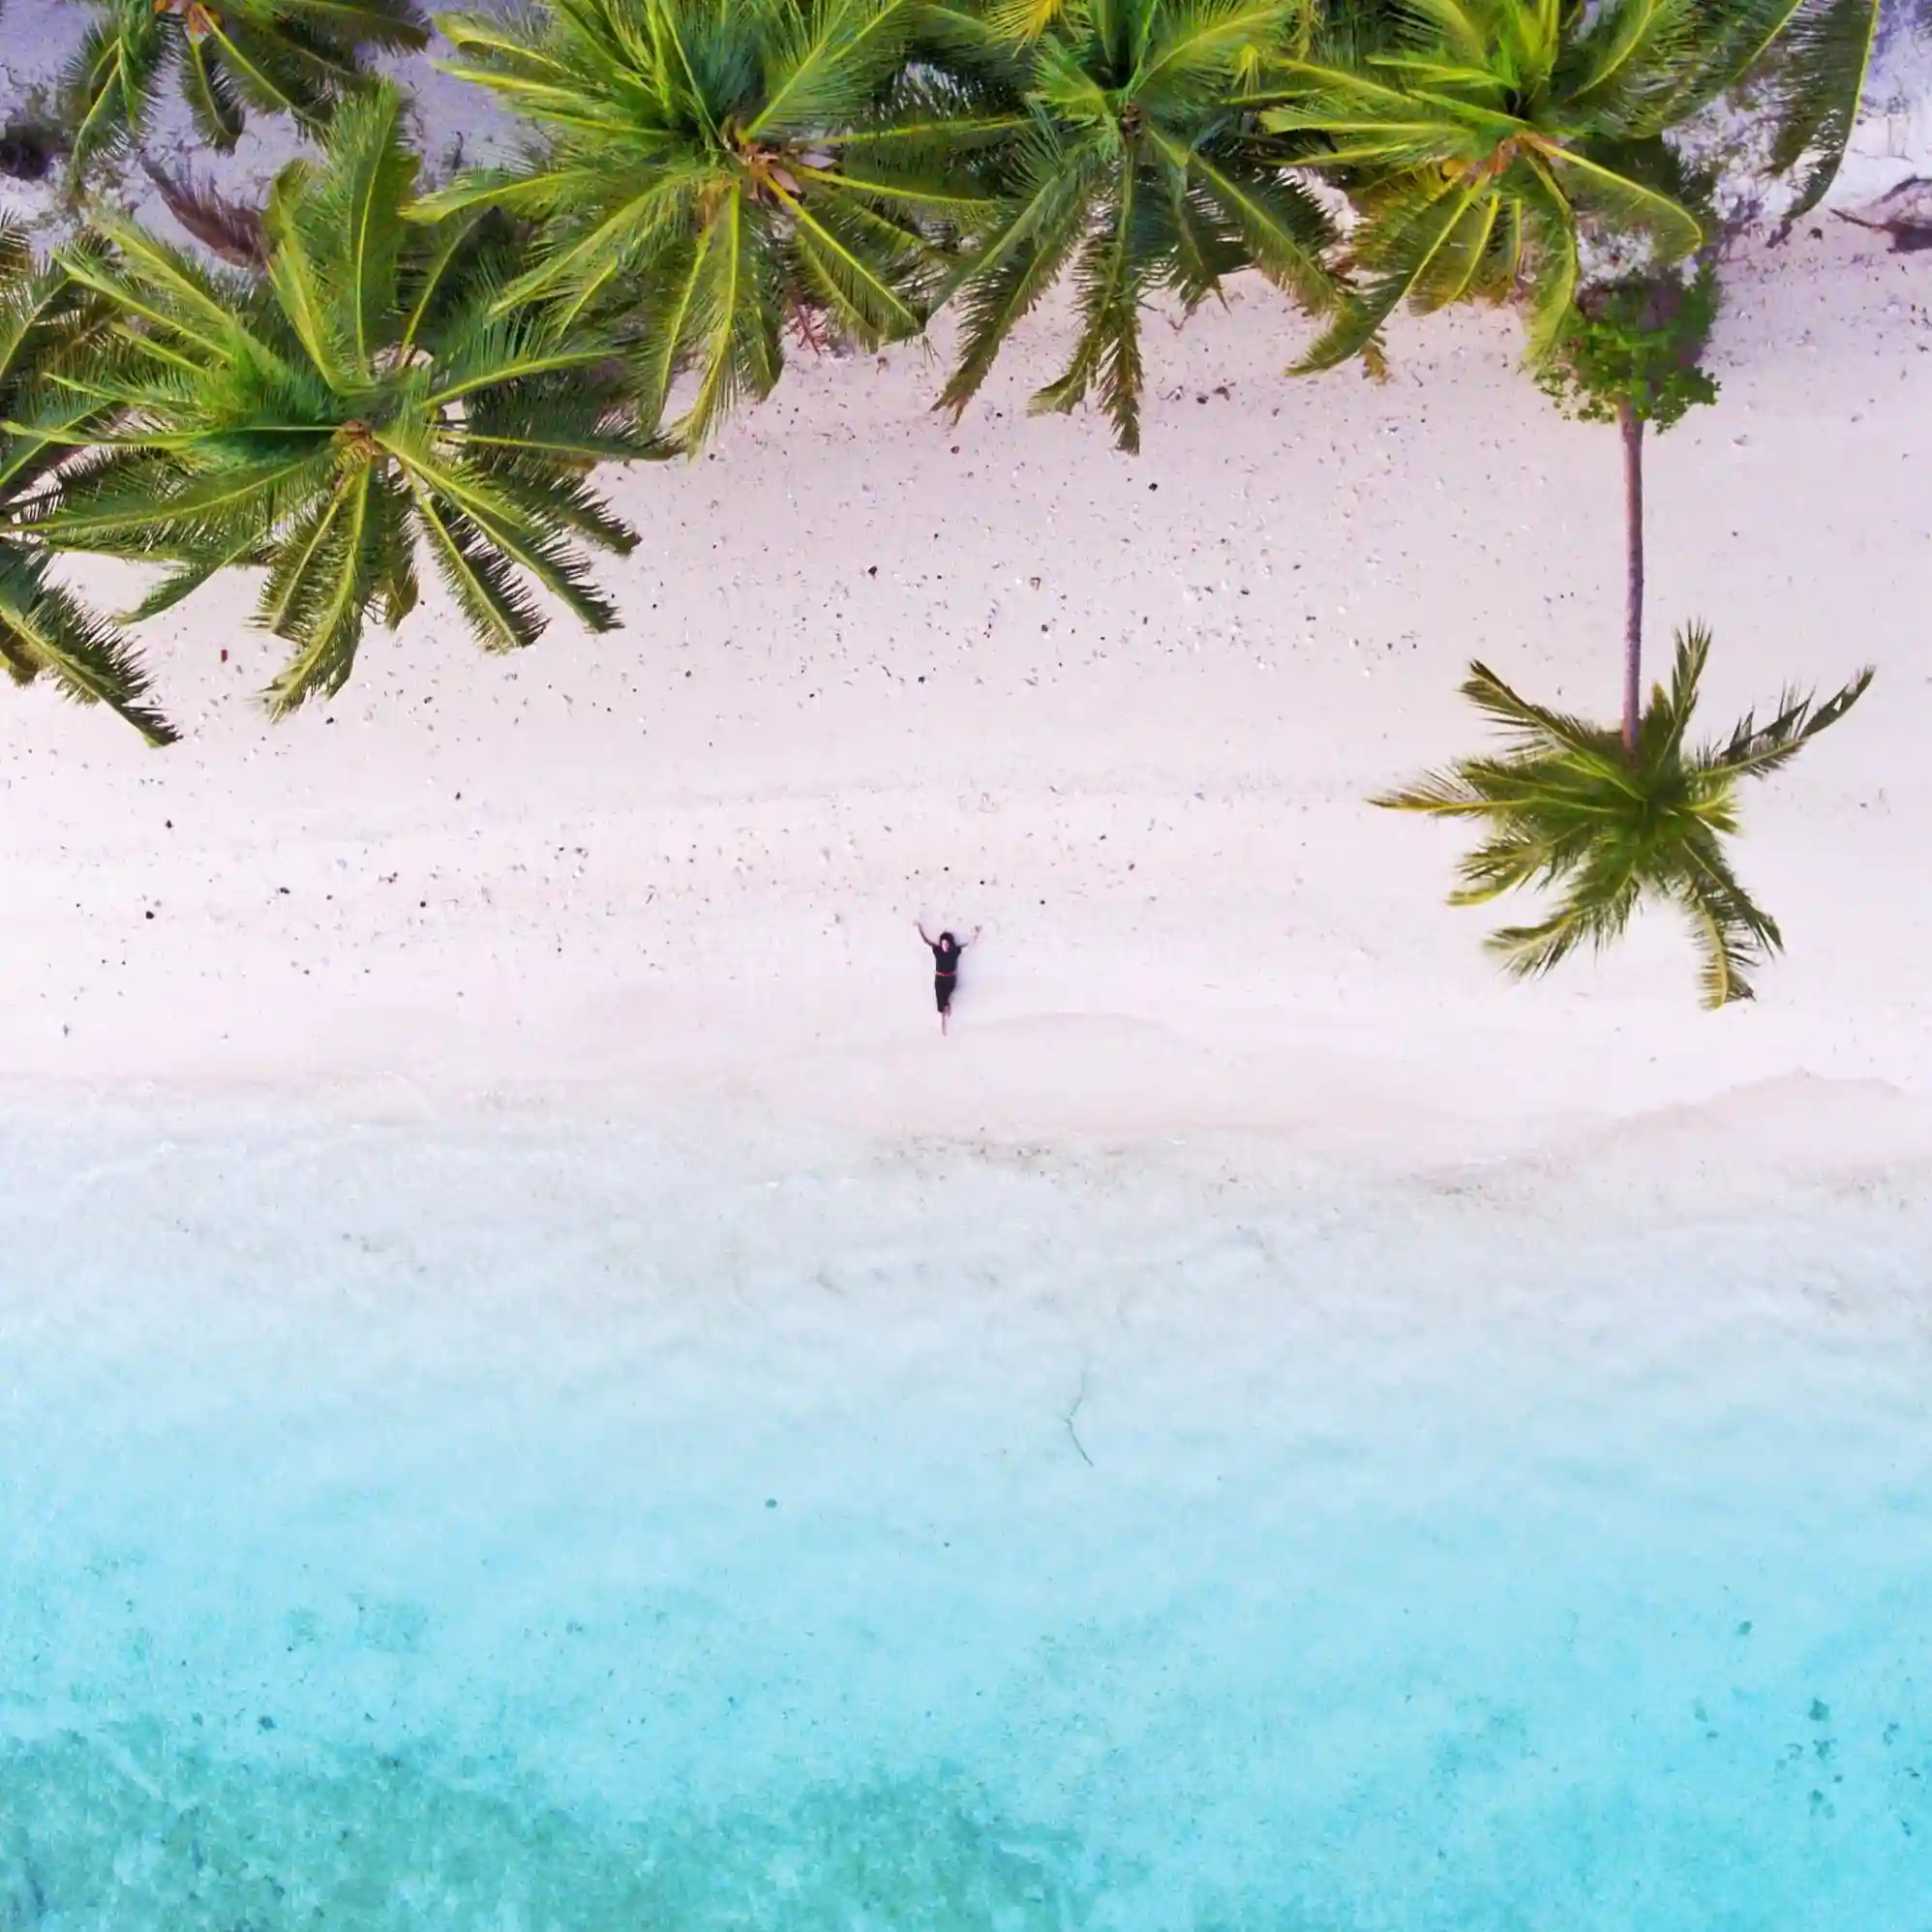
{"type": "Point", "coordinates": [1567, 806]}
{"type": "Point", "coordinates": [298, 57]}
{"type": "Point", "coordinates": [1488, 132]}
{"type": "Point", "coordinates": [358, 400]}
{"type": "Point", "coordinates": [46, 323]}
{"type": "Point", "coordinates": [1126, 147]}
{"type": "Point", "coordinates": [714, 171]}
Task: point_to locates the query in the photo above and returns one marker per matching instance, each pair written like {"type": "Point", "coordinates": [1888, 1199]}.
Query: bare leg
{"type": "Point", "coordinates": [946, 1022]}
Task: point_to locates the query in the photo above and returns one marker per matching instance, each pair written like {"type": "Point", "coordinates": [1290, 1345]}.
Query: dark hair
{"type": "Point", "coordinates": [946, 939]}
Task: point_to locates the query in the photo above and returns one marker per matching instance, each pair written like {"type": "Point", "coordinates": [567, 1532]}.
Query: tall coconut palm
{"type": "Point", "coordinates": [1488, 135]}
{"type": "Point", "coordinates": [1129, 155]}
{"type": "Point", "coordinates": [1630, 353]}
{"type": "Point", "coordinates": [299, 57]}
{"type": "Point", "coordinates": [46, 326]}
{"type": "Point", "coordinates": [1567, 805]}
{"type": "Point", "coordinates": [359, 400]}
{"type": "Point", "coordinates": [700, 177]}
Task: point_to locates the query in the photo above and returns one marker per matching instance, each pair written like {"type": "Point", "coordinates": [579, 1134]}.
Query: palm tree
{"type": "Point", "coordinates": [357, 401]}
{"type": "Point", "coordinates": [1126, 149]}
{"type": "Point", "coordinates": [45, 322]}
{"type": "Point", "coordinates": [1488, 134]}
{"type": "Point", "coordinates": [1630, 352]}
{"type": "Point", "coordinates": [1568, 804]}
{"type": "Point", "coordinates": [712, 171]}
{"type": "Point", "coordinates": [299, 57]}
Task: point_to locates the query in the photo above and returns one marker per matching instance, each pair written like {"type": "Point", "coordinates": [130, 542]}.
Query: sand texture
{"type": "Point", "coordinates": [1122, 713]}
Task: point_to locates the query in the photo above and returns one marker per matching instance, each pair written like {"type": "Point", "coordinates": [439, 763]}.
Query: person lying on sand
{"type": "Point", "coordinates": [945, 951]}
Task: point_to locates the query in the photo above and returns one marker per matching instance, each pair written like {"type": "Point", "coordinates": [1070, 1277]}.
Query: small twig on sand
{"type": "Point", "coordinates": [1071, 1414]}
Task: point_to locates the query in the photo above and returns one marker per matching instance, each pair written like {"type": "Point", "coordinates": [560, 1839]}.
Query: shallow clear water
{"type": "Point", "coordinates": [503, 1526]}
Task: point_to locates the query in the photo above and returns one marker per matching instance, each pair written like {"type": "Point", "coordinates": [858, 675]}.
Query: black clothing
{"type": "Point", "coordinates": [945, 951]}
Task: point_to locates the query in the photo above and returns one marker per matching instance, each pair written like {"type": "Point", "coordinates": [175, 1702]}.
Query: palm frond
{"type": "Point", "coordinates": [1107, 302]}
{"type": "Point", "coordinates": [1488, 138]}
{"type": "Point", "coordinates": [871, 272]}
{"type": "Point", "coordinates": [107, 88]}
{"type": "Point", "coordinates": [208, 85]}
{"type": "Point", "coordinates": [1733, 936]}
{"type": "Point", "coordinates": [338, 234]}
{"type": "Point", "coordinates": [1817, 71]}
{"type": "Point", "coordinates": [1531, 727]}
{"type": "Point", "coordinates": [321, 588]}
{"type": "Point", "coordinates": [298, 58]}
{"type": "Point", "coordinates": [44, 630]}
{"type": "Point", "coordinates": [730, 320]}
{"type": "Point", "coordinates": [228, 229]}
{"type": "Point", "coordinates": [823, 60]}
{"type": "Point", "coordinates": [501, 612]}
{"type": "Point", "coordinates": [1755, 751]}
{"type": "Point", "coordinates": [1023, 20]}
{"type": "Point", "coordinates": [1404, 253]}
{"type": "Point", "coordinates": [1286, 234]}
{"type": "Point", "coordinates": [1592, 915]}
{"type": "Point", "coordinates": [161, 288]}
{"type": "Point", "coordinates": [527, 537]}
{"type": "Point", "coordinates": [1197, 49]}
{"type": "Point", "coordinates": [361, 394]}
{"type": "Point", "coordinates": [1567, 807]}
{"type": "Point", "coordinates": [1810, 58]}
{"type": "Point", "coordinates": [692, 187]}
{"type": "Point", "coordinates": [1000, 282]}
{"type": "Point", "coordinates": [1628, 205]}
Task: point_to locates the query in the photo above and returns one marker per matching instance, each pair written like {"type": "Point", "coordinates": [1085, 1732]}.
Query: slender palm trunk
{"type": "Point", "coordinates": [1631, 426]}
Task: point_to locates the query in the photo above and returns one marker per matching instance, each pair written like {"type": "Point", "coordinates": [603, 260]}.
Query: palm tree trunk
{"type": "Point", "coordinates": [1631, 425]}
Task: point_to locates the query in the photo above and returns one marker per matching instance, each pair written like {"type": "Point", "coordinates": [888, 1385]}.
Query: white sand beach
{"type": "Point", "coordinates": [1122, 713]}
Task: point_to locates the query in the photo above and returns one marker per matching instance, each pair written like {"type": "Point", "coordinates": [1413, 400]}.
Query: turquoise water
{"type": "Point", "coordinates": [498, 1525]}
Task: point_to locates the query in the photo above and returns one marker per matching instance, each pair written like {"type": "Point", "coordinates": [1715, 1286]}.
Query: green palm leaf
{"type": "Point", "coordinates": [50, 327]}
{"type": "Point", "coordinates": [1003, 280]}
{"type": "Point", "coordinates": [110, 84]}
{"type": "Point", "coordinates": [1283, 229]}
{"type": "Point", "coordinates": [299, 57]}
{"type": "Point", "coordinates": [320, 585]}
{"type": "Point", "coordinates": [213, 99]}
{"type": "Point", "coordinates": [708, 173]}
{"type": "Point", "coordinates": [1131, 161]}
{"type": "Point", "coordinates": [1565, 806]}
{"type": "Point", "coordinates": [822, 61]}
{"type": "Point", "coordinates": [1401, 250]}
{"type": "Point", "coordinates": [1484, 140]}
{"type": "Point", "coordinates": [1818, 74]}
{"type": "Point", "coordinates": [365, 395]}
{"type": "Point", "coordinates": [336, 237]}
{"type": "Point", "coordinates": [45, 630]}
{"type": "Point", "coordinates": [500, 611]}
{"type": "Point", "coordinates": [1809, 59]}
{"type": "Point", "coordinates": [1107, 301]}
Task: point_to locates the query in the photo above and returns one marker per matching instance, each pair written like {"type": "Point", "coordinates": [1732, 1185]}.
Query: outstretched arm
{"type": "Point", "coordinates": [919, 926]}
{"type": "Point", "coordinates": [968, 939]}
